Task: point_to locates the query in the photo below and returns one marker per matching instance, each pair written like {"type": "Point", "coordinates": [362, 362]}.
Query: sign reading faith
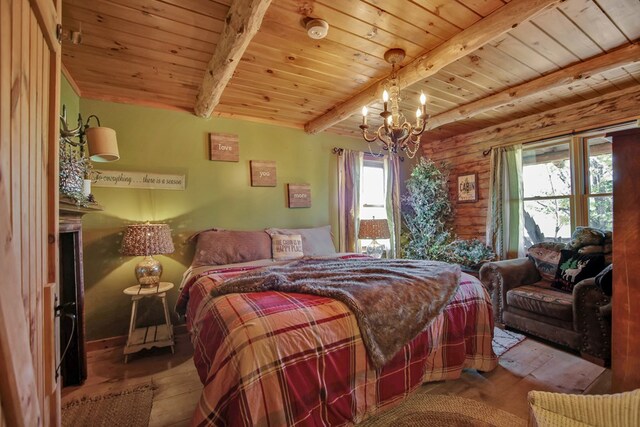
{"type": "Point", "coordinates": [299, 195]}
{"type": "Point", "coordinates": [263, 173]}
{"type": "Point", "coordinates": [224, 147]}
{"type": "Point", "coordinates": [122, 179]}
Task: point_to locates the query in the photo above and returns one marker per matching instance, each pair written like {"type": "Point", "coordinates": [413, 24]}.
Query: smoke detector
{"type": "Point", "coordinates": [316, 28]}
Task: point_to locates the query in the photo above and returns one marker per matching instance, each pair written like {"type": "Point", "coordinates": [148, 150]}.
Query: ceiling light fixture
{"type": "Point", "coordinates": [396, 134]}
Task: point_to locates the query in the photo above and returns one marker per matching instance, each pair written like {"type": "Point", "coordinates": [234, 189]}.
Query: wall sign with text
{"type": "Point", "coordinates": [263, 173]}
{"type": "Point", "coordinates": [299, 195]}
{"type": "Point", "coordinates": [468, 188]}
{"type": "Point", "coordinates": [125, 179]}
{"type": "Point", "coordinates": [224, 147]}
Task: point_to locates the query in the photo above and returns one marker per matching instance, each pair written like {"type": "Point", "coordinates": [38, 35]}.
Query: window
{"type": "Point", "coordinates": [566, 183]}
{"type": "Point", "coordinates": [373, 195]}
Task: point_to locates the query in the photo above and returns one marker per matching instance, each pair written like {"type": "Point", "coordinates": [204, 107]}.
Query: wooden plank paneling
{"type": "Point", "coordinates": [625, 327]}
{"type": "Point", "coordinates": [159, 42]}
{"type": "Point", "coordinates": [26, 75]}
{"type": "Point", "coordinates": [464, 153]}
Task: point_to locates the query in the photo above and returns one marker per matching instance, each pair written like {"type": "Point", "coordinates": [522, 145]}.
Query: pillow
{"type": "Point", "coordinates": [574, 267]}
{"type": "Point", "coordinates": [217, 247]}
{"type": "Point", "coordinates": [315, 241]}
{"type": "Point", "coordinates": [604, 280]}
{"type": "Point", "coordinates": [286, 247]}
{"type": "Point", "coordinates": [546, 256]}
{"type": "Point", "coordinates": [585, 236]}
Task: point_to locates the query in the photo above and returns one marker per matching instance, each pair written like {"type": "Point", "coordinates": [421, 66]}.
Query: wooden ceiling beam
{"type": "Point", "coordinates": [242, 23]}
{"type": "Point", "coordinates": [605, 110]}
{"type": "Point", "coordinates": [578, 72]}
{"type": "Point", "coordinates": [477, 35]}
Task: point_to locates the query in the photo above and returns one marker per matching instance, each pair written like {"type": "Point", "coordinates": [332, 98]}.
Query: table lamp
{"type": "Point", "coordinates": [147, 240]}
{"type": "Point", "coordinates": [374, 229]}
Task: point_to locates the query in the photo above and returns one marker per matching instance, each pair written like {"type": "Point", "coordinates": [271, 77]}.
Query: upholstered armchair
{"type": "Point", "coordinates": [580, 320]}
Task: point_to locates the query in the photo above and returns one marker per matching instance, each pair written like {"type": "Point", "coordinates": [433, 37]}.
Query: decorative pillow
{"type": "Point", "coordinates": [584, 236]}
{"type": "Point", "coordinates": [217, 247]}
{"type": "Point", "coordinates": [575, 267]}
{"type": "Point", "coordinates": [315, 241]}
{"type": "Point", "coordinates": [546, 256]}
{"type": "Point", "coordinates": [591, 249]}
{"type": "Point", "coordinates": [286, 247]}
{"type": "Point", "coordinates": [604, 280]}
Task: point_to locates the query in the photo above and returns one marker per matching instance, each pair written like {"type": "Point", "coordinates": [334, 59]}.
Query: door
{"type": "Point", "coordinates": [29, 93]}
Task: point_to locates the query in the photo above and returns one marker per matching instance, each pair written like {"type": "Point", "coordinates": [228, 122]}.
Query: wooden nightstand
{"type": "Point", "coordinates": [151, 336]}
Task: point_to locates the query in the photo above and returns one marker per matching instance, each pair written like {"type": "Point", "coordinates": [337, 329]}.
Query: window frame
{"type": "Point", "coordinates": [580, 175]}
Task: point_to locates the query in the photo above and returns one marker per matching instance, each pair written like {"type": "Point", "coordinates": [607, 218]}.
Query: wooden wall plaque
{"type": "Point", "coordinates": [263, 173]}
{"type": "Point", "coordinates": [299, 195]}
{"type": "Point", "coordinates": [224, 147]}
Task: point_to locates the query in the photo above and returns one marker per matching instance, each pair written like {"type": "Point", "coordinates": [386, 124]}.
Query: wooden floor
{"type": "Point", "coordinates": [530, 365]}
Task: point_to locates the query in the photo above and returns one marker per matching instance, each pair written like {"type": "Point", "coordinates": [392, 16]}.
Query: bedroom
{"type": "Point", "coordinates": [495, 73]}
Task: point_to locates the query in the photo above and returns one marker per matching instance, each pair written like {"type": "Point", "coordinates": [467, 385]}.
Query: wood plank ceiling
{"type": "Point", "coordinates": [154, 52]}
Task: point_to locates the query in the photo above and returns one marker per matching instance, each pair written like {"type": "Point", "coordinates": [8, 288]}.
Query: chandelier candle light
{"type": "Point", "coordinates": [147, 240]}
{"type": "Point", "coordinates": [396, 134]}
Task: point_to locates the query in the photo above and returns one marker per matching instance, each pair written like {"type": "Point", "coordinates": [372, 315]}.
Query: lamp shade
{"type": "Point", "coordinates": [147, 239]}
{"type": "Point", "coordinates": [103, 145]}
{"type": "Point", "coordinates": [374, 229]}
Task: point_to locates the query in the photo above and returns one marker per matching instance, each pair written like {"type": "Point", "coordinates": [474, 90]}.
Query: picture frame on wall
{"type": "Point", "coordinates": [299, 195]}
{"type": "Point", "coordinates": [468, 188]}
{"type": "Point", "coordinates": [224, 147]}
{"type": "Point", "coordinates": [263, 173]}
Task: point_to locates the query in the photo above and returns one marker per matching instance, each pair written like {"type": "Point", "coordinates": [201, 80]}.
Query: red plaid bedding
{"type": "Point", "coordinates": [275, 359]}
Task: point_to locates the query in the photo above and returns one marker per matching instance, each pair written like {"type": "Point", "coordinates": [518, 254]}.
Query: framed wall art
{"type": "Point", "coordinates": [468, 188]}
{"type": "Point", "coordinates": [224, 147]}
{"type": "Point", "coordinates": [263, 173]}
{"type": "Point", "coordinates": [299, 195]}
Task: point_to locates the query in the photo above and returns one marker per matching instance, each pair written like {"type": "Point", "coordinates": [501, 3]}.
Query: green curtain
{"type": "Point", "coordinates": [349, 168]}
{"type": "Point", "coordinates": [505, 220]}
{"type": "Point", "coordinates": [392, 174]}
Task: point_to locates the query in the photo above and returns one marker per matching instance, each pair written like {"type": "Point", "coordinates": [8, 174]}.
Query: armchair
{"type": "Point", "coordinates": [522, 300]}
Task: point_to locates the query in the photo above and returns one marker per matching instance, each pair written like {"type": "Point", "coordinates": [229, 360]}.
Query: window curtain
{"type": "Point", "coordinates": [349, 168]}
{"type": "Point", "coordinates": [392, 174]}
{"type": "Point", "coordinates": [506, 219]}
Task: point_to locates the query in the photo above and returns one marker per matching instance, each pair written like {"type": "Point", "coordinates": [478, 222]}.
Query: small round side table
{"type": "Point", "coordinates": [160, 335]}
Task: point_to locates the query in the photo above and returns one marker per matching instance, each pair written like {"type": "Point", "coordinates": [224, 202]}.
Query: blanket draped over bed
{"type": "Point", "coordinates": [393, 300]}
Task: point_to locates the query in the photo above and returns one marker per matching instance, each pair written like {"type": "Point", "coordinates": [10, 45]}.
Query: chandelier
{"type": "Point", "coordinates": [396, 134]}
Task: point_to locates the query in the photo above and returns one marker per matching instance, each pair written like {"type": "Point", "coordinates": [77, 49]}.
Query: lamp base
{"type": "Point", "coordinates": [148, 272]}
{"type": "Point", "coordinates": [374, 249]}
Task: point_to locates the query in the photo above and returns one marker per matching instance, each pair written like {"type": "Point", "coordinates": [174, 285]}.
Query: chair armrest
{"type": "Point", "coordinates": [591, 320]}
{"type": "Point", "coordinates": [501, 276]}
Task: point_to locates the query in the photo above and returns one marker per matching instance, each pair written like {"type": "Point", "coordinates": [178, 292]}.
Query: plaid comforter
{"type": "Point", "coordinates": [275, 359]}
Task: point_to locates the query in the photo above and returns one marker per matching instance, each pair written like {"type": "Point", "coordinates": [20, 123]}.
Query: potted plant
{"type": "Point", "coordinates": [426, 214]}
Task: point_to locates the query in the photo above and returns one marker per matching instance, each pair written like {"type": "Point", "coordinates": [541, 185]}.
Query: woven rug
{"type": "Point", "coordinates": [130, 407]}
{"type": "Point", "coordinates": [436, 410]}
{"type": "Point", "coordinates": [504, 340]}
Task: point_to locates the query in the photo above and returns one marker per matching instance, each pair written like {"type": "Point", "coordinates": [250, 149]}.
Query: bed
{"type": "Point", "coordinates": [275, 358]}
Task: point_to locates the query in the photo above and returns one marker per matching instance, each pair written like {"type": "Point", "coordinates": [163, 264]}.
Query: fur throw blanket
{"type": "Point", "coordinates": [393, 300]}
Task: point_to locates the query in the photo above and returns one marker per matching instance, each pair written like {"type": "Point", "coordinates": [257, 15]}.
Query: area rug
{"type": "Point", "coordinates": [436, 410]}
{"type": "Point", "coordinates": [505, 340]}
{"type": "Point", "coordinates": [130, 407]}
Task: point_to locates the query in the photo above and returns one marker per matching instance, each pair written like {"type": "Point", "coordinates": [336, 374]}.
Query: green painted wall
{"type": "Point", "coordinates": [218, 194]}
{"type": "Point", "coordinates": [71, 100]}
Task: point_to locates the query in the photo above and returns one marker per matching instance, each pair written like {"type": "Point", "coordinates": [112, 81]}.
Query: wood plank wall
{"type": "Point", "coordinates": [625, 339]}
{"type": "Point", "coordinates": [29, 88]}
{"type": "Point", "coordinates": [464, 152]}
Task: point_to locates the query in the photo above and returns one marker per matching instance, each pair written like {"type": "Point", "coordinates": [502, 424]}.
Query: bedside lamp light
{"type": "Point", "coordinates": [374, 229]}
{"type": "Point", "coordinates": [147, 240]}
